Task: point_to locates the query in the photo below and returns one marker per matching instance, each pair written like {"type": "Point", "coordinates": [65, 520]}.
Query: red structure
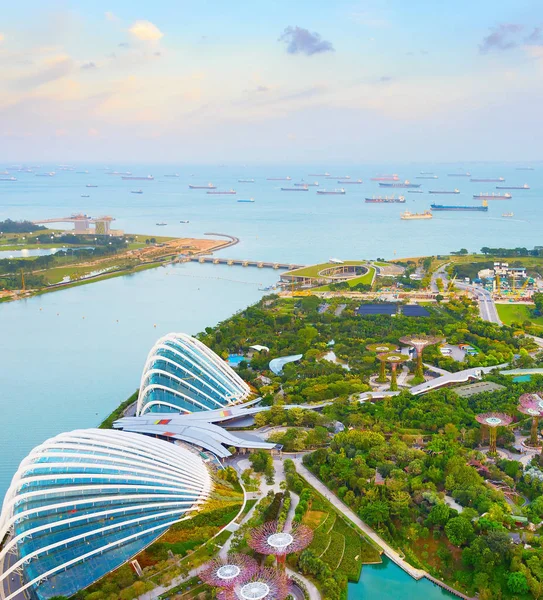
{"type": "Point", "coordinates": [419, 342]}
{"type": "Point", "coordinates": [493, 420]}
{"type": "Point", "coordinates": [227, 572]}
{"type": "Point", "coordinates": [268, 539]}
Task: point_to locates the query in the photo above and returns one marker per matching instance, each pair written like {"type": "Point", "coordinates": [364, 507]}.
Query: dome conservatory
{"type": "Point", "coordinates": [182, 375]}
{"type": "Point", "coordinates": [84, 502]}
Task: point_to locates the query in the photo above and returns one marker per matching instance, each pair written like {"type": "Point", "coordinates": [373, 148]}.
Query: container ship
{"type": "Point", "coordinates": [407, 216]}
{"type": "Point", "coordinates": [278, 178]}
{"type": "Point", "coordinates": [513, 187]}
{"type": "Point", "coordinates": [459, 174]}
{"type": "Point", "coordinates": [295, 189]}
{"type": "Point", "coordinates": [385, 178]}
{"type": "Point", "coordinates": [223, 192]}
{"type": "Point", "coordinates": [341, 191]}
{"type": "Point", "coordinates": [458, 207]}
{"type": "Point", "coordinates": [455, 191]}
{"type": "Point", "coordinates": [386, 199]}
{"type": "Point", "coordinates": [246, 180]}
{"type": "Point", "coordinates": [405, 184]}
{"type": "Point", "coordinates": [209, 186]}
{"type": "Point", "coordinates": [426, 177]}
{"type": "Point", "coordinates": [488, 180]}
{"type": "Point", "coordinates": [304, 184]}
{"type": "Point", "coordinates": [356, 182]}
{"type": "Point", "coordinates": [492, 196]}
{"type": "Point", "coordinates": [137, 178]}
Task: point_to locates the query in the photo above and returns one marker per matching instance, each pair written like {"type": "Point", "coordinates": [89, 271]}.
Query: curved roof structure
{"type": "Point", "coordinates": [182, 375]}
{"type": "Point", "coordinates": [84, 502]}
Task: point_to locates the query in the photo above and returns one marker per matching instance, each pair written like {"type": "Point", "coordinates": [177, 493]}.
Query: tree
{"type": "Point", "coordinates": [260, 460]}
{"type": "Point", "coordinates": [375, 513]}
{"type": "Point", "coordinates": [459, 531]}
{"type": "Point", "coordinates": [439, 515]}
{"type": "Point", "coordinates": [516, 582]}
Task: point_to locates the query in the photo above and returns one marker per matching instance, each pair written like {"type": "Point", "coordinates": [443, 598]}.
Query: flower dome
{"type": "Point", "coordinates": [83, 503]}
{"type": "Point", "coordinates": [182, 375]}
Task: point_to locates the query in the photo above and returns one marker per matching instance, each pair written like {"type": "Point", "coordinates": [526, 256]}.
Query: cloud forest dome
{"type": "Point", "coordinates": [83, 503]}
{"type": "Point", "coordinates": [183, 375]}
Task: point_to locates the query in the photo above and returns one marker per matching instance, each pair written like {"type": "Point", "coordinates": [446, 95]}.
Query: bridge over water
{"type": "Point", "coordinates": [215, 260]}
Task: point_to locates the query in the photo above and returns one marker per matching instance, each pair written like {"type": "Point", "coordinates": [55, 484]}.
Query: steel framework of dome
{"type": "Point", "coordinates": [228, 571]}
{"type": "Point", "coordinates": [264, 584]}
{"type": "Point", "coordinates": [532, 405]}
{"type": "Point", "coordinates": [394, 359]}
{"type": "Point", "coordinates": [493, 420]}
{"type": "Point", "coordinates": [419, 342]}
{"type": "Point", "coordinates": [182, 375]}
{"type": "Point", "coordinates": [84, 502]}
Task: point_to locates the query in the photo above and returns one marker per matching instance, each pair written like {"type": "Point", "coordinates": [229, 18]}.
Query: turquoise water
{"type": "Point", "coordinates": [388, 582]}
{"type": "Point", "coordinates": [520, 378]}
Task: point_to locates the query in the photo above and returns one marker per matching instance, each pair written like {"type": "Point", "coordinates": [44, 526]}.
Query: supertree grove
{"type": "Point", "coordinates": [382, 348]}
{"type": "Point", "coordinates": [268, 539]}
{"type": "Point", "coordinates": [493, 420]}
{"type": "Point", "coordinates": [394, 359]}
{"type": "Point", "coordinates": [264, 584]}
{"type": "Point", "coordinates": [419, 342]}
{"type": "Point", "coordinates": [228, 571]}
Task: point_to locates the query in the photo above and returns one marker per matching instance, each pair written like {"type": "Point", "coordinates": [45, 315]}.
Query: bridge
{"type": "Point", "coordinates": [215, 260]}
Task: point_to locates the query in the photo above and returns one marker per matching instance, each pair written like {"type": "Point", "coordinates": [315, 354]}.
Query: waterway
{"type": "Point", "coordinates": [387, 581]}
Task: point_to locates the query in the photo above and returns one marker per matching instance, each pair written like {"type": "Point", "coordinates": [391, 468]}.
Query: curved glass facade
{"type": "Point", "coordinates": [182, 375]}
{"type": "Point", "coordinates": [85, 502]}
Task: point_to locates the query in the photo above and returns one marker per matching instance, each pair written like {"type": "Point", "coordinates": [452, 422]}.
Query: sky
{"type": "Point", "coordinates": [211, 81]}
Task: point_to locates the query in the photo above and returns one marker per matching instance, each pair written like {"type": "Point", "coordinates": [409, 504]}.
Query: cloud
{"type": "Point", "coordinates": [56, 69]}
{"type": "Point", "coordinates": [385, 79]}
{"type": "Point", "coordinates": [88, 65]}
{"type": "Point", "coordinates": [124, 45]}
{"type": "Point", "coordinates": [146, 31]}
{"type": "Point", "coordinates": [2, 37]}
{"type": "Point", "coordinates": [502, 37]}
{"type": "Point", "coordinates": [302, 41]}
{"type": "Point", "coordinates": [535, 38]}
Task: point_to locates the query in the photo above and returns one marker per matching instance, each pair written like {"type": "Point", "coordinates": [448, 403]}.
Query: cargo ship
{"type": "Point", "coordinates": [338, 177]}
{"type": "Point", "coordinates": [137, 178]}
{"type": "Point", "coordinates": [492, 196]}
{"type": "Point", "coordinates": [172, 175]}
{"type": "Point", "coordinates": [278, 178]}
{"type": "Point", "coordinates": [385, 178]}
{"type": "Point", "coordinates": [386, 199]}
{"type": "Point", "coordinates": [8, 179]}
{"type": "Point", "coordinates": [319, 174]}
{"type": "Point", "coordinates": [357, 182]}
{"type": "Point", "coordinates": [488, 180]}
{"type": "Point", "coordinates": [51, 174]}
{"type": "Point", "coordinates": [455, 191]}
{"type": "Point", "coordinates": [513, 187]}
{"type": "Point", "coordinates": [91, 185]}
{"type": "Point", "coordinates": [426, 172]}
{"type": "Point", "coordinates": [136, 191]}
{"type": "Point", "coordinates": [340, 191]}
{"type": "Point", "coordinates": [405, 184]}
{"type": "Point", "coordinates": [304, 184]}
{"type": "Point", "coordinates": [246, 180]}
{"type": "Point", "coordinates": [458, 207]}
{"type": "Point", "coordinates": [426, 177]}
{"type": "Point", "coordinates": [407, 216]}
{"type": "Point", "coordinates": [223, 192]}
{"type": "Point", "coordinates": [415, 192]}
{"type": "Point", "coordinates": [295, 189]}
{"type": "Point", "coordinates": [508, 215]}
{"type": "Point", "coordinates": [209, 186]}
{"type": "Point", "coordinates": [85, 196]}
{"type": "Point", "coordinates": [246, 200]}
{"type": "Point", "coordinates": [162, 224]}
{"type": "Point", "coordinates": [468, 174]}
{"type": "Point", "coordinates": [524, 168]}
{"type": "Point", "coordinates": [119, 173]}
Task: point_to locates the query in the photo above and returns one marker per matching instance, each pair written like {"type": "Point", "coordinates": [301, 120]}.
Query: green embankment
{"type": "Point", "coordinates": [367, 279]}
{"type": "Point", "coordinates": [518, 313]}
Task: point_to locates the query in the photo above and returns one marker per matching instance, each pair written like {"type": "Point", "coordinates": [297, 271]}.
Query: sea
{"type": "Point", "coordinates": [69, 357]}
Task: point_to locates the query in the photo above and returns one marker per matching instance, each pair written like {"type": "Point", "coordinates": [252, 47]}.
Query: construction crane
{"type": "Point", "coordinates": [23, 286]}
{"type": "Point", "coordinates": [520, 291]}
{"type": "Point", "coordinates": [450, 286]}
{"type": "Point", "coordinates": [498, 285]}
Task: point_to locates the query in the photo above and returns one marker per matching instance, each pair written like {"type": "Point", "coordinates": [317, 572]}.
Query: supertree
{"type": "Point", "coordinates": [264, 584]}
{"type": "Point", "coordinates": [227, 572]}
{"type": "Point", "coordinates": [394, 359]}
{"type": "Point", "coordinates": [493, 420]}
{"type": "Point", "coordinates": [268, 539]}
{"type": "Point", "coordinates": [419, 342]}
{"type": "Point", "coordinates": [532, 405]}
{"type": "Point", "coordinates": [382, 347]}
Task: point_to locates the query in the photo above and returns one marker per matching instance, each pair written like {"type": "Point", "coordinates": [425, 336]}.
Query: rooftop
{"type": "Point", "coordinates": [465, 391]}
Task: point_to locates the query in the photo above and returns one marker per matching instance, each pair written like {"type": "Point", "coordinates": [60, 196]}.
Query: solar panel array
{"type": "Point", "coordinates": [411, 310]}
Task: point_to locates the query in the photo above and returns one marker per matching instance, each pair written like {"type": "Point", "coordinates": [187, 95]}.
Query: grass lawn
{"type": "Point", "coordinates": [367, 279]}
{"type": "Point", "coordinates": [314, 270]}
{"type": "Point", "coordinates": [517, 313]}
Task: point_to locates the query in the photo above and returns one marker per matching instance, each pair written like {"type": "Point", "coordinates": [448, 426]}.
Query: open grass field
{"type": "Point", "coordinates": [314, 270]}
{"type": "Point", "coordinates": [518, 313]}
{"type": "Point", "coordinates": [366, 279]}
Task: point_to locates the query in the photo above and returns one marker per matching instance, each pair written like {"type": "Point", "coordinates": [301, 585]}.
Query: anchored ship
{"type": "Point", "coordinates": [246, 180]}
{"type": "Point", "coordinates": [386, 199]}
{"type": "Point", "coordinates": [8, 179]}
{"type": "Point", "coordinates": [405, 184]}
{"type": "Point", "coordinates": [385, 178]}
{"type": "Point", "coordinates": [246, 200]}
{"type": "Point", "coordinates": [223, 193]}
{"type": "Point", "coordinates": [468, 174]}
{"type": "Point", "coordinates": [91, 185]}
{"type": "Point", "coordinates": [457, 207]}
{"type": "Point", "coordinates": [513, 187]}
{"type": "Point", "coordinates": [508, 215]}
{"type": "Point", "coordinates": [172, 175]}
{"type": "Point", "coordinates": [488, 180]}
{"type": "Point", "coordinates": [407, 216]}
{"type": "Point", "coordinates": [338, 176]}
{"type": "Point", "coordinates": [455, 191]}
{"type": "Point", "coordinates": [319, 174]}
{"type": "Point", "coordinates": [278, 178]}
{"type": "Point", "coordinates": [358, 181]}
{"type": "Point", "coordinates": [295, 189]}
{"type": "Point", "coordinates": [426, 177]}
{"type": "Point", "coordinates": [136, 191]}
{"type": "Point", "coordinates": [136, 178]}
{"type": "Point", "coordinates": [209, 186]}
{"type": "Point", "coordinates": [304, 184]}
{"type": "Point", "coordinates": [492, 196]}
{"type": "Point", "coordinates": [331, 192]}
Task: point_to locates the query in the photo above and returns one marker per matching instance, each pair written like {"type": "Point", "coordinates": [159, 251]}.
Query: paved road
{"type": "Point", "coordinates": [487, 307]}
{"type": "Point", "coordinates": [439, 274]}
{"type": "Point", "coordinates": [331, 497]}
{"type": "Point", "coordinates": [9, 587]}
